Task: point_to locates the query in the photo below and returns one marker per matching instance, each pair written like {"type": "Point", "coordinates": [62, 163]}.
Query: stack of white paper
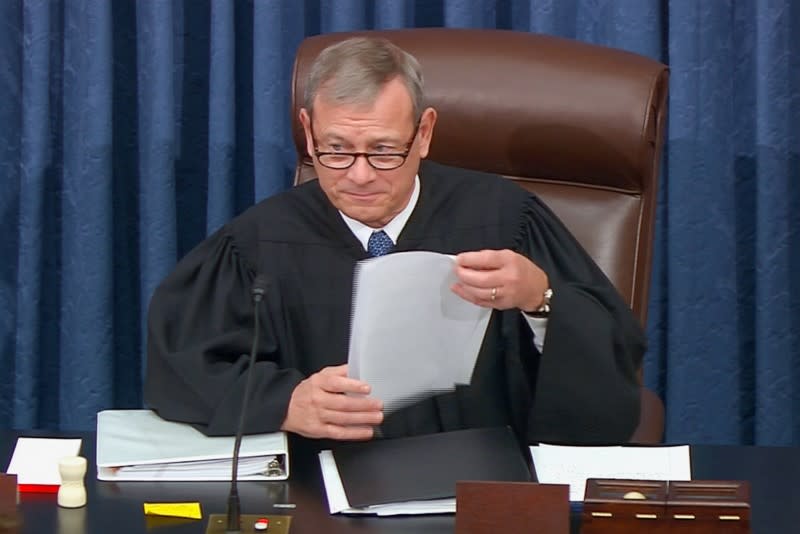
{"type": "Point", "coordinates": [573, 465]}
{"type": "Point", "coordinates": [139, 445]}
{"type": "Point", "coordinates": [411, 336]}
{"type": "Point", "coordinates": [35, 460]}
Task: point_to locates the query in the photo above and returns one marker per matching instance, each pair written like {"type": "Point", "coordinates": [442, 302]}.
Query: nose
{"type": "Point", "coordinates": [361, 172]}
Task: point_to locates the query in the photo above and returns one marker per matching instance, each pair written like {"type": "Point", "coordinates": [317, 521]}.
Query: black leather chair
{"type": "Point", "coordinates": [580, 125]}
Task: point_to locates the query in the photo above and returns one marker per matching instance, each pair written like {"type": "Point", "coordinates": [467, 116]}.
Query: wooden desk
{"type": "Point", "coordinates": [116, 508]}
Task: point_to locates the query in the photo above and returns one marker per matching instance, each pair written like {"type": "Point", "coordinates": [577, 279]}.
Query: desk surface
{"type": "Point", "coordinates": [117, 507]}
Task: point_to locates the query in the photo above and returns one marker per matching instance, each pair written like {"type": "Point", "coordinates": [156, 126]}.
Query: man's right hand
{"type": "Point", "coordinates": [320, 408]}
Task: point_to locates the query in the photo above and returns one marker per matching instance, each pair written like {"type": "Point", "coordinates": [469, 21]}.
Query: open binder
{"type": "Point", "coordinates": [139, 445]}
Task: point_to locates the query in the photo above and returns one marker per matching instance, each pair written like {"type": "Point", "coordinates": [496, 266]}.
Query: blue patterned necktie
{"type": "Point", "coordinates": [379, 244]}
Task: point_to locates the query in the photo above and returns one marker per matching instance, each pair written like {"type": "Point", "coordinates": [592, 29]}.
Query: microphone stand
{"type": "Point", "coordinates": [234, 515]}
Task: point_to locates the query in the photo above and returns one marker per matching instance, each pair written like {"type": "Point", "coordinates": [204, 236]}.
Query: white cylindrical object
{"type": "Point", "coordinates": [72, 493]}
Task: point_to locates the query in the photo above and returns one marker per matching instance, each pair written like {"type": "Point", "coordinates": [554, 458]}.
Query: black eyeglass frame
{"type": "Point", "coordinates": [355, 155]}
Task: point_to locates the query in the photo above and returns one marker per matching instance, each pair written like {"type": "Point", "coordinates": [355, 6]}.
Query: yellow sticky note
{"type": "Point", "coordinates": [189, 510]}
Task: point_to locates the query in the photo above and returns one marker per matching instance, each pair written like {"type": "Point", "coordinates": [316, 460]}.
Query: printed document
{"type": "Point", "coordinates": [411, 337]}
{"type": "Point", "coordinates": [556, 464]}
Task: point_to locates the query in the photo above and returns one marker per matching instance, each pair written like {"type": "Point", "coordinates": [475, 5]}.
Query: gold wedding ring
{"type": "Point", "coordinates": [494, 293]}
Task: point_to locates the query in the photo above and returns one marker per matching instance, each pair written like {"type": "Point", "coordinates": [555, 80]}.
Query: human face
{"type": "Point", "coordinates": [371, 196]}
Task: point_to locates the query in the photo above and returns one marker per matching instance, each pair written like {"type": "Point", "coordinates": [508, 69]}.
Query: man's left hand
{"type": "Point", "coordinates": [500, 279]}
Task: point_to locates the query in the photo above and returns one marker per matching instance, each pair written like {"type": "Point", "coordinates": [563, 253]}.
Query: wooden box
{"type": "Point", "coordinates": [697, 506]}
{"type": "Point", "coordinates": [712, 506]}
{"type": "Point", "coordinates": [624, 506]}
{"type": "Point", "coordinates": [511, 508]}
{"type": "Point", "coordinates": [9, 497]}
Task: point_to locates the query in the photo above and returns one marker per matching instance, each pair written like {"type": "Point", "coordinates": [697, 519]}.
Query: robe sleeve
{"type": "Point", "coordinates": [200, 333]}
{"type": "Point", "coordinates": [587, 388]}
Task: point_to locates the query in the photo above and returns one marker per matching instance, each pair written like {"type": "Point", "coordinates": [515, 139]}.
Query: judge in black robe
{"type": "Point", "coordinates": [582, 388]}
{"type": "Point", "coordinates": [365, 97]}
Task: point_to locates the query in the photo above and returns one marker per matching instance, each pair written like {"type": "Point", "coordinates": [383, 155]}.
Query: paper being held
{"type": "Point", "coordinates": [411, 337]}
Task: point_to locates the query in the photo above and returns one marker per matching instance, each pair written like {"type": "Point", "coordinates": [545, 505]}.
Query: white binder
{"type": "Point", "coordinates": [139, 445]}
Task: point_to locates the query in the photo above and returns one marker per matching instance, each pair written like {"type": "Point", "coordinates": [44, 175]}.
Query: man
{"type": "Point", "coordinates": [560, 354]}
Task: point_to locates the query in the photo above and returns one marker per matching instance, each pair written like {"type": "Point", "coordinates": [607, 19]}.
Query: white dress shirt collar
{"type": "Point", "coordinates": [395, 226]}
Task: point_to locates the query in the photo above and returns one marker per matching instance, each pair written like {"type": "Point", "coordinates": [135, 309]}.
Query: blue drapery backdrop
{"type": "Point", "coordinates": [130, 130]}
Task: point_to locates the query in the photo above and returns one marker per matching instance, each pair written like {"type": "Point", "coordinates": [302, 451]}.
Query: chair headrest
{"type": "Point", "coordinates": [528, 105]}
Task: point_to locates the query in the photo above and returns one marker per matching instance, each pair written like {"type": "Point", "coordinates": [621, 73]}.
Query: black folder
{"type": "Point", "coordinates": [428, 467]}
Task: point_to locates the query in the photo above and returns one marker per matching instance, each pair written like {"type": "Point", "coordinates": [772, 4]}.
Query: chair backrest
{"type": "Point", "coordinates": [580, 125]}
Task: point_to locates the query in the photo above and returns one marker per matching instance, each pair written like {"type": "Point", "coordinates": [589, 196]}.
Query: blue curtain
{"type": "Point", "coordinates": [131, 130]}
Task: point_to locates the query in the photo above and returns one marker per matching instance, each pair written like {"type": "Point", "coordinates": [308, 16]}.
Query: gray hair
{"type": "Point", "coordinates": [353, 71]}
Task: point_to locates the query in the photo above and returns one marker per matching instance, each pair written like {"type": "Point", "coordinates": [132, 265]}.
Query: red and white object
{"type": "Point", "coordinates": [35, 462]}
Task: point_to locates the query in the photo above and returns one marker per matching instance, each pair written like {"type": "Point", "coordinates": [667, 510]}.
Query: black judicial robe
{"type": "Point", "coordinates": [582, 388]}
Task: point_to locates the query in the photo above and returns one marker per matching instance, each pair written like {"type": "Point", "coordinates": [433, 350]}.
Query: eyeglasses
{"type": "Point", "coordinates": [382, 161]}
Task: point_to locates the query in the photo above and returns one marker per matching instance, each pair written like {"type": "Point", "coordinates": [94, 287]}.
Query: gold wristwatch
{"type": "Point", "coordinates": [543, 310]}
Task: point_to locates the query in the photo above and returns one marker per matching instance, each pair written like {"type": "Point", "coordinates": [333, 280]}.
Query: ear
{"type": "Point", "coordinates": [305, 120]}
{"type": "Point", "coordinates": [426, 124]}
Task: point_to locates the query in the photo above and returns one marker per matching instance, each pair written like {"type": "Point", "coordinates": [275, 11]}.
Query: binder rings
{"type": "Point", "coordinates": [139, 445]}
{"type": "Point", "coordinates": [427, 467]}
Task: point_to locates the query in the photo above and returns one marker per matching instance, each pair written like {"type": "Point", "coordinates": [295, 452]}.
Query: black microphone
{"type": "Point", "coordinates": [234, 515]}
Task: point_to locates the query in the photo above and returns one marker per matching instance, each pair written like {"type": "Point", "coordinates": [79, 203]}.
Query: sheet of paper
{"type": "Point", "coordinates": [573, 465]}
{"type": "Point", "coordinates": [337, 499]}
{"type": "Point", "coordinates": [188, 510]}
{"type": "Point", "coordinates": [412, 337]}
{"type": "Point", "coordinates": [35, 460]}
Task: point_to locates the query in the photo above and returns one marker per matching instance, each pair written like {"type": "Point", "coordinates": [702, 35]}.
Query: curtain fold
{"type": "Point", "coordinates": [274, 40]}
{"type": "Point", "coordinates": [131, 130]}
{"type": "Point", "coordinates": [392, 14]}
{"type": "Point", "coordinates": [86, 220]}
{"type": "Point", "coordinates": [221, 115]}
{"type": "Point", "coordinates": [776, 257]}
{"type": "Point", "coordinates": [159, 83]}
{"type": "Point", "coordinates": [19, 325]}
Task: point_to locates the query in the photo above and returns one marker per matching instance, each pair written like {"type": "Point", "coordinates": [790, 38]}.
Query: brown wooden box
{"type": "Point", "coordinates": [511, 508]}
{"type": "Point", "coordinates": [624, 506]}
{"type": "Point", "coordinates": [701, 506]}
{"type": "Point", "coordinates": [698, 506]}
{"type": "Point", "coordinates": [9, 496]}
